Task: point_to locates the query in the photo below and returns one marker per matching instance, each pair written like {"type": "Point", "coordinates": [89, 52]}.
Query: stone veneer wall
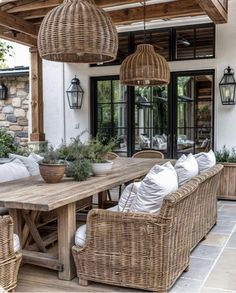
{"type": "Point", "coordinates": [14, 112]}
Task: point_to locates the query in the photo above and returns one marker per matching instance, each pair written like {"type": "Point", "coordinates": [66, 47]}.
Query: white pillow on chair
{"type": "Point", "coordinates": [128, 196]}
{"type": "Point", "coordinates": [186, 168]}
{"type": "Point", "coordinates": [159, 182]}
{"type": "Point", "coordinates": [205, 160]}
{"type": "Point", "coordinates": [13, 171]}
{"type": "Point", "coordinates": [30, 163]}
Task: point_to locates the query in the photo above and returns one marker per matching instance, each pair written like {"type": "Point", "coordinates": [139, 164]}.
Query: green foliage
{"type": "Point", "coordinates": [226, 155]}
{"type": "Point", "coordinates": [81, 169]}
{"type": "Point", "coordinates": [97, 151]}
{"type": "Point", "coordinates": [5, 50]}
{"type": "Point", "coordinates": [51, 156]}
{"type": "Point", "coordinates": [7, 143]}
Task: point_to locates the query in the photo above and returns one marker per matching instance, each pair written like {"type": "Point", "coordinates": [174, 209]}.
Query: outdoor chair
{"type": "Point", "coordinates": [9, 260]}
{"type": "Point", "coordinates": [149, 154]}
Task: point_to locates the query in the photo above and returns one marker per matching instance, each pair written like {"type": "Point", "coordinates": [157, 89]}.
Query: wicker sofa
{"type": "Point", "coordinates": [148, 251]}
{"type": "Point", "coordinates": [9, 260]}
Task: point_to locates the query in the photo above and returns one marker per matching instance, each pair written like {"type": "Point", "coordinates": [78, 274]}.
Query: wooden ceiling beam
{"type": "Point", "coordinates": [42, 4]}
{"type": "Point", "coordinates": [18, 38]}
{"type": "Point", "coordinates": [17, 24]}
{"type": "Point", "coordinates": [168, 10]}
{"type": "Point", "coordinates": [217, 10]}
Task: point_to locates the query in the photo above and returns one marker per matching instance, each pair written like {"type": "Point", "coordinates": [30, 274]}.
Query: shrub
{"type": "Point", "coordinates": [7, 144]}
{"type": "Point", "coordinates": [226, 155]}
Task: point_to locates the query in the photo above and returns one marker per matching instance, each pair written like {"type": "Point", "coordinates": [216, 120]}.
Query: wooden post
{"type": "Point", "coordinates": [37, 134]}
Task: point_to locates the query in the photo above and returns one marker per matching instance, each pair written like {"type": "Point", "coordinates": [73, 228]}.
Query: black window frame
{"type": "Point", "coordinates": [172, 31]}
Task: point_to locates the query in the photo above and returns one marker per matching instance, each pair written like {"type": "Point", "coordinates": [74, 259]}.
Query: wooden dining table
{"type": "Point", "coordinates": [26, 198]}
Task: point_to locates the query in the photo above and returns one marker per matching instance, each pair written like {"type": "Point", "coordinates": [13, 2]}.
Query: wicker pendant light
{"type": "Point", "coordinates": [145, 67]}
{"type": "Point", "coordinates": [78, 31]}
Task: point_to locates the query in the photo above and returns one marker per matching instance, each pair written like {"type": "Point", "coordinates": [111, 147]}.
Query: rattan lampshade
{"type": "Point", "coordinates": [144, 68]}
{"type": "Point", "coordinates": [78, 31]}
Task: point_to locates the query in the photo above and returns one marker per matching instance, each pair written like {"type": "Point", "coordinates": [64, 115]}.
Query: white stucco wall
{"type": "Point", "coordinates": [61, 122]}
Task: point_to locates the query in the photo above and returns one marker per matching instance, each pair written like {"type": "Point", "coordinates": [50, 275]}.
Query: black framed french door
{"type": "Point", "coordinates": [192, 129]}
{"type": "Point", "coordinates": [175, 119]}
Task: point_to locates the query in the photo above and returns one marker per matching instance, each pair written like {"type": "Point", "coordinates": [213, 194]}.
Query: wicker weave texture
{"type": "Point", "coordinates": [143, 251]}
{"type": "Point", "coordinates": [149, 154]}
{"type": "Point", "coordinates": [78, 31]}
{"type": "Point", "coordinates": [206, 207]}
{"type": "Point", "coordinates": [144, 68]}
{"type": "Point", "coordinates": [9, 261]}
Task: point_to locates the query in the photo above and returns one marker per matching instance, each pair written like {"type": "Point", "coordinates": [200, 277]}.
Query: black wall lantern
{"type": "Point", "coordinates": [75, 94]}
{"type": "Point", "coordinates": [3, 91]}
{"type": "Point", "coordinates": [228, 87]}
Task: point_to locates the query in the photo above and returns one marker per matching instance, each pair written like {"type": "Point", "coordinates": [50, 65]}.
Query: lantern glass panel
{"type": "Point", "coordinates": [227, 93]}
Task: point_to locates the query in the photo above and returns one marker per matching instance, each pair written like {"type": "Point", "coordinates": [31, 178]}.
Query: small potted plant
{"type": "Point", "coordinates": [75, 156]}
{"type": "Point", "coordinates": [227, 188]}
{"type": "Point", "coordinates": [97, 153]}
{"type": "Point", "coordinates": [52, 169]}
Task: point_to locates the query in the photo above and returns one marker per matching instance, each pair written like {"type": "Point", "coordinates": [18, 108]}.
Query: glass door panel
{"type": "Point", "coordinates": [194, 127]}
{"type": "Point", "coordinates": [151, 118]}
{"type": "Point", "coordinates": [111, 113]}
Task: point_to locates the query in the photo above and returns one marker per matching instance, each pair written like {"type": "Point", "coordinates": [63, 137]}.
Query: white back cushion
{"type": "Point", "coordinates": [13, 171]}
{"type": "Point", "coordinates": [128, 196]}
{"type": "Point", "coordinates": [186, 168]}
{"type": "Point", "coordinates": [31, 165]}
{"type": "Point", "coordinates": [159, 182]}
{"type": "Point", "coordinates": [205, 160]}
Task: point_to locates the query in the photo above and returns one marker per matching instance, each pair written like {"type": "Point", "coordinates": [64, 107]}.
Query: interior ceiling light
{"type": "Point", "coordinates": [145, 67]}
{"type": "Point", "coordinates": [78, 31]}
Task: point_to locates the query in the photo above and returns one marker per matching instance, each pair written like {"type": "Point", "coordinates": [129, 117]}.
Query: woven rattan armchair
{"type": "Point", "coordinates": [9, 260]}
{"type": "Point", "coordinates": [146, 251]}
{"type": "Point", "coordinates": [149, 154]}
{"type": "Point", "coordinates": [206, 207]}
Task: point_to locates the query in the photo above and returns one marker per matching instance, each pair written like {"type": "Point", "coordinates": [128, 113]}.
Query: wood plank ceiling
{"type": "Point", "coordinates": [20, 19]}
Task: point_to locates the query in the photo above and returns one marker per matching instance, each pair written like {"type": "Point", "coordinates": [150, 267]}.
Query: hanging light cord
{"type": "Point", "coordinates": [144, 20]}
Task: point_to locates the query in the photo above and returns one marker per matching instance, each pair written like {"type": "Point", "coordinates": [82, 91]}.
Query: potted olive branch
{"type": "Point", "coordinates": [52, 169]}
{"type": "Point", "coordinates": [227, 186]}
{"type": "Point", "coordinates": [97, 153]}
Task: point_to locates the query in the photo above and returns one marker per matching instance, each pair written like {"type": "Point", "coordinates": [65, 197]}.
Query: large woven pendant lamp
{"type": "Point", "coordinates": [78, 31]}
{"type": "Point", "coordinates": [145, 67]}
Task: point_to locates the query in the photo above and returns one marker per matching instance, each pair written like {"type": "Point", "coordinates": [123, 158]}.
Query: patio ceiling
{"type": "Point", "coordinates": [20, 19]}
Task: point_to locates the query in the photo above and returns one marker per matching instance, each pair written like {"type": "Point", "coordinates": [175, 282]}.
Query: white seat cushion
{"type": "Point", "coordinates": [205, 160]}
{"type": "Point", "coordinates": [128, 196]}
{"type": "Point", "coordinates": [186, 168]}
{"type": "Point", "coordinates": [29, 162]}
{"type": "Point", "coordinates": [16, 243]}
{"type": "Point", "coordinates": [13, 171]}
{"type": "Point", "coordinates": [80, 235]}
{"type": "Point", "coordinates": [159, 182]}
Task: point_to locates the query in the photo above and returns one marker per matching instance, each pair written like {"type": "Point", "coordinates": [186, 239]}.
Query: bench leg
{"type": "Point", "coordinates": [83, 282]}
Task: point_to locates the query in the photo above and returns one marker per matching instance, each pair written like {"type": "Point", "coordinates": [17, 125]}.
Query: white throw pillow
{"type": "Point", "coordinates": [128, 196]}
{"type": "Point", "coordinates": [29, 163]}
{"type": "Point", "coordinates": [80, 235]}
{"type": "Point", "coordinates": [205, 160]}
{"type": "Point", "coordinates": [186, 168]}
{"type": "Point", "coordinates": [159, 182]}
{"type": "Point", "coordinates": [35, 157]}
{"type": "Point", "coordinates": [13, 171]}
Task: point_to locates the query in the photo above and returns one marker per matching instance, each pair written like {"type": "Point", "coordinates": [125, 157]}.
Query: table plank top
{"type": "Point", "coordinates": [34, 194]}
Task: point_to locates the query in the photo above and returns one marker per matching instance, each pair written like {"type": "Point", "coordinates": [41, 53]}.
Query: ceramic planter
{"type": "Point", "coordinates": [101, 169]}
{"type": "Point", "coordinates": [52, 173]}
